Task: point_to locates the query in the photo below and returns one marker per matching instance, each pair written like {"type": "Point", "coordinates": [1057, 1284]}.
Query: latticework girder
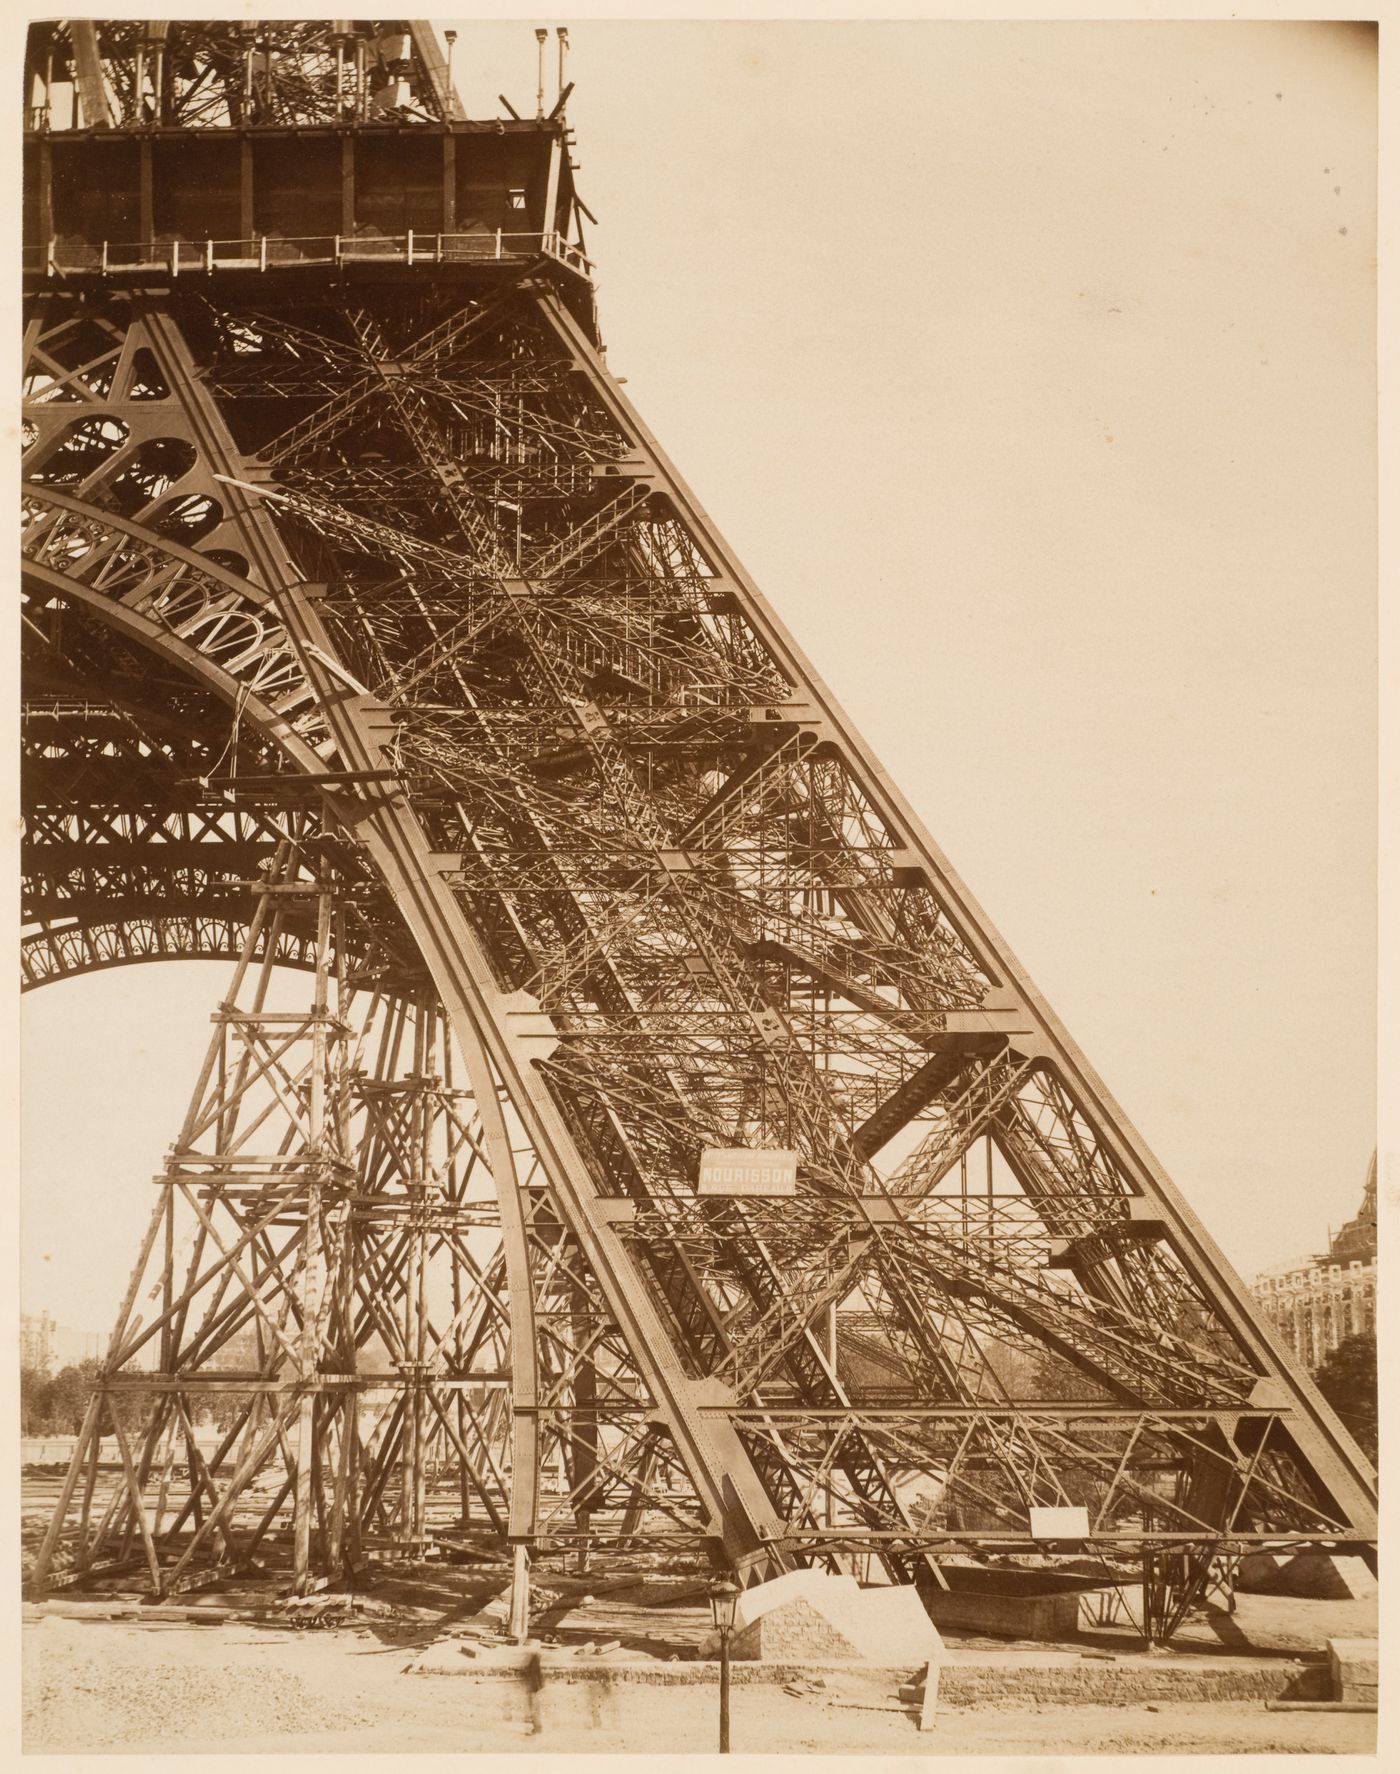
{"type": "Point", "coordinates": [209, 74]}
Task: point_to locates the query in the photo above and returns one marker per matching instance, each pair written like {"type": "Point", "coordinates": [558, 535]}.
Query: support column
{"type": "Point", "coordinates": [449, 183]}
{"type": "Point", "coordinates": [146, 227]}
{"type": "Point", "coordinates": [347, 187]}
{"type": "Point", "coordinates": [44, 194]}
{"type": "Point", "coordinates": [520, 1595]}
{"type": "Point", "coordinates": [313, 1262]}
{"type": "Point", "coordinates": [551, 190]}
{"type": "Point", "coordinates": [245, 189]}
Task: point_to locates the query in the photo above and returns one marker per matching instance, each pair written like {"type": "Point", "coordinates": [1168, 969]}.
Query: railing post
{"type": "Point", "coordinates": [262, 252]}
{"type": "Point", "coordinates": [498, 243]}
{"type": "Point", "coordinates": [209, 255]}
{"type": "Point", "coordinates": [439, 250]}
{"type": "Point", "coordinates": [336, 249]}
{"type": "Point", "coordinates": [174, 258]}
{"type": "Point", "coordinates": [409, 256]}
{"type": "Point", "coordinates": [104, 258]}
{"type": "Point", "coordinates": [52, 255]}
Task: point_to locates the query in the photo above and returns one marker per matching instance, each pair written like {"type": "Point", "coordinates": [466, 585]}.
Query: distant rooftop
{"type": "Point", "coordinates": [1357, 1239]}
{"type": "Point", "coordinates": [1355, 1243]}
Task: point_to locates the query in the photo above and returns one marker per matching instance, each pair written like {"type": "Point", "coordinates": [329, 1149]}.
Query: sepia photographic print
{"type": "Point", "coordinates": [619, 616]}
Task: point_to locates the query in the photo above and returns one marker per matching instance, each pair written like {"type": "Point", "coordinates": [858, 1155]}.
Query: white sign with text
{"type": "Point", "coordinates": [739, 1170]}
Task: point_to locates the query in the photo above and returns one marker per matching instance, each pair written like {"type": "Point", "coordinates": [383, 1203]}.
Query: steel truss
{"type": "Point", "coordinates": [572, 807]}
{"type": "Point", "coordinates": [207, 74]}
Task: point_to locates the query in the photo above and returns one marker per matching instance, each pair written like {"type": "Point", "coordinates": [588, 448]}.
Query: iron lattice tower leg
{"type": "Point", "coordinates": [598, 808]}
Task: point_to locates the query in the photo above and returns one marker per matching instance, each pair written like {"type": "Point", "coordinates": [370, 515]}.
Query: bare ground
{"type": "Point", "coordinates": [118, 1686]}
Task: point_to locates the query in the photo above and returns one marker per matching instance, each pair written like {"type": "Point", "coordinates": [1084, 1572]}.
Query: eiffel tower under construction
{"type": "Point", "coordinates": [655, 1150]}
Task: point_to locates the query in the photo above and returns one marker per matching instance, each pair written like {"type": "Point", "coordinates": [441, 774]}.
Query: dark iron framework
{"type": "Point", "coordinates": [368, 632]}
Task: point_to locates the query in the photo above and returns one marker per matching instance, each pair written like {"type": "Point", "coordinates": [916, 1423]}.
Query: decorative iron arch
{"type": "Point", "coordinates": [50, 955]}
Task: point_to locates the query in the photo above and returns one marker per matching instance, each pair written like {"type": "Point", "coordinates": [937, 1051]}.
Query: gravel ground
{"type": "Point", "coordinates": [109, 1685]}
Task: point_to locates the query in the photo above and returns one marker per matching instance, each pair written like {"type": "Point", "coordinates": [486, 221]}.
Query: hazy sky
{"type": "Point", "coordinates": [1030, 370]}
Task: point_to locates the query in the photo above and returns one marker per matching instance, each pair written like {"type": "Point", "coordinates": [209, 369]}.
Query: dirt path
{"type": "Point", "coordinates": [106, 1685]}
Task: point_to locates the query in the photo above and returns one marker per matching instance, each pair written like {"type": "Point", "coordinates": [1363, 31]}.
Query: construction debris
{"type": "Point", "coordinates": [811, 1615]}
{"type": "Point", "coordinates": [1311, 1576]}
{"type": "Point", "coordinates": [923, 1695]}
{"type": "Point", "coordinates": [320, 1611]}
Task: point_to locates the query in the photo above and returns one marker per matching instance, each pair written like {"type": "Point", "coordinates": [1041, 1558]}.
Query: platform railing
{"type": "Point", "coordinates": [181, 258]}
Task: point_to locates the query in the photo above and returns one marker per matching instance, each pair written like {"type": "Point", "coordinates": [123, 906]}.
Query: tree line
{"type": "Point", "coordinates": [54, 1404]}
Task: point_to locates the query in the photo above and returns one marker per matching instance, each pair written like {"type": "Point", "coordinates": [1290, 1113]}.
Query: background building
{"type": "Point", "coordinates": [1316, 1304]}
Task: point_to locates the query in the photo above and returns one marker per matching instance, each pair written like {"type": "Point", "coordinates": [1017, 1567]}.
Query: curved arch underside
{"type": "Point", "coordinates": [150, 808]}
{"type": "Point", "coordinates": [60, 952]}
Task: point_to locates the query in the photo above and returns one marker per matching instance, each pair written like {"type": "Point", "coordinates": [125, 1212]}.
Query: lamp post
{"type": "Point", "coordinates": [724, 1597]}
